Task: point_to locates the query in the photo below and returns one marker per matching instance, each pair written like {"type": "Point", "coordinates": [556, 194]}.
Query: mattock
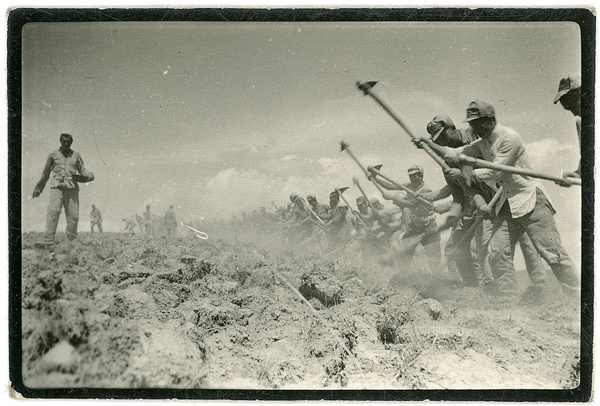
{"type": "Point", "coordinates": [340, 192]}
{"type": "Point", "coordinates": [366, 88]}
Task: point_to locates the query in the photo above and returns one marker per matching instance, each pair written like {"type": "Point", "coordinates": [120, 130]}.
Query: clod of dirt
{"type": "Point", "coordinates": [188, 259]}
{"type": "Point", "coordinates": [196, 269]}
{"type": "Point", "coordinates": [325, 288]}
{"type": "Point", "coordinates": [173, 277]}
{"type": "Point", "coordinates": [50, 285]}
{"type": "Point", "coordinates": [433, 308]}
{"type": "Point", "coordinates": [61, 358]}
{"type": "Point", "coordinates": [133, 271]}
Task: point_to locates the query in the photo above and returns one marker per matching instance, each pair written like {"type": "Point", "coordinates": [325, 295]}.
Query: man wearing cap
{"type": "Point", "coordinates": [65, 169]}
{"type": "Point", "coordinates": [364, 215]}
{"type": "Point", "coordinates": [337, 227]}
{"type": "Point", "coordinates": [95, 219]}
{"type": "Point", "coordinates": [473, 198]}
{"type": "Point", "coordinates": [522, 204]}
{"type": "Point", "coordinates": [300, 224]}
{"type": "Point", "coordinates": [170, 221]}
{"type": "Point", "coordinates": [419, 222]}
{"type": "Point", "coordinates": [320, 209]}
{"type": "Point", "coordinates": [569, 96]}
{"type": "Point", "coordinates": [459, 213]}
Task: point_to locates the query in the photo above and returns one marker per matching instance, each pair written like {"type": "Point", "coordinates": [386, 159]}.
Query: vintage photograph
{"type": "Point", "coordinates": [299, 205]}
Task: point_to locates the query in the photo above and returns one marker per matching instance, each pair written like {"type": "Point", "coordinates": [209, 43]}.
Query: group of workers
{"type": "Point", "coordinates": [491, 210]}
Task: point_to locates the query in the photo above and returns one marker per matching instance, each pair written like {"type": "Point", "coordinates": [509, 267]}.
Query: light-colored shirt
{"type": "Point", "coordinates": [504, 146]}
{"type": "Point", "coordinates": [64, 171]}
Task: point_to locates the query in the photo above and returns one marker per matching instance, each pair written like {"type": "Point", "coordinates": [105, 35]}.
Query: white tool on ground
{"type": "Point", "coordinates": [199, 234]}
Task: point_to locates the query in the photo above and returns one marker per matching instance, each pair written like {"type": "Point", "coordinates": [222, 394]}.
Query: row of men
{"type": "Point", "coordinates": [491, 210]}
{"type": "Point", "coordinates": [523, 207]}
{"type": "Point", "coordinates": [147, 223]}
{"type": "Point", "coordinates": [515, 208]}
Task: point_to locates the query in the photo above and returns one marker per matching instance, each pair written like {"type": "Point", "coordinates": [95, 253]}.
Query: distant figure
{"type": "Point", "coordinates": [95, 219]}
{"type": "Point", "coordinates": [170, 221]}
{"type": "Point", "coordinates": [64, 167]}
{"type": "Point", "coordinates": [129, 225]}
{"type": "Point", "coordinates": [569, 95]}
{"type": "Point", "coordinates": [148, 221]}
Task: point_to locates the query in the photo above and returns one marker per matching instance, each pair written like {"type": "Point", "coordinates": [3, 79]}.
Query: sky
{"type": "Point", "coordinates": [223, 118]}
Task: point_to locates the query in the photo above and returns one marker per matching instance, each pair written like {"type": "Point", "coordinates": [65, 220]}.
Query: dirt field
{"type": "Point", "coordinates": [118, 311]}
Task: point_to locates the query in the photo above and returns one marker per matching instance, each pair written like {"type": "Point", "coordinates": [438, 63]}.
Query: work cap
{"type": "Point", "coordinates": [374, 201]}
{"type": "Point", "coordinates": [478, 109]}
{"type": "Point", "coordinates": [332, 194]}
{"type": "Point", "coordinates": [438, 125]}
{"type": "Point", "coordinates": [415, 169]}
{"type": "Point", "coordinates": [311, 197]}
{"type": "Point", "coordinates": [361, 200]}
{"type": "Point", "coordinates": [566, 85]}
{"type": "Point", "coordinates": [293, 196]}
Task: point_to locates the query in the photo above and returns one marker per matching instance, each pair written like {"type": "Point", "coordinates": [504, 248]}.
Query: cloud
{"type": "Point", "coordinates": [549, 155]}
{"type": "Point", "coordinates": [288, 158]}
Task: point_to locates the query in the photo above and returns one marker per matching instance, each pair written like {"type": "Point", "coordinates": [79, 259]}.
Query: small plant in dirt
{"type": "Point", "coordinates": [151, 256]}
{"type": "Point", "coordinates": [196, 269]}
{"type": "Point", "coordinates": [390, 325]}
{"type": "Point", "coordinates": [413, 346]}
{"type": "Point", "coordinates": [335, 370]}
{"type": "Point", "coordinates": [276, 373]}
{"type": "Point", "coordinates": [239, 264]}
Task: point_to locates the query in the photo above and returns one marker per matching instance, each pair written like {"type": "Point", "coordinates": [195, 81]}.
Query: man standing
{"type": "Point", "coordinates": [95, 219]}
{"type": "Point", "coordinates": [522, 205]}
{"type": "Point", "coordinates": [148, 221]}
{"type": "Point", "coordinates": [64, 167]}
{"type": "Point", "coordinates": [419, 222]}
{"type": "Point", "coordinates": [569, 95]}
{"type": "Point", "coordinates": [170, 221]}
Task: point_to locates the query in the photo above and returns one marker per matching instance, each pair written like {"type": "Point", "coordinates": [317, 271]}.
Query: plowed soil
{"type": "Point", "coordinates": [117, 311]}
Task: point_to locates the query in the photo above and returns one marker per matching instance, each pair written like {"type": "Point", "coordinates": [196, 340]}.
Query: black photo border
{"type": "Point", "coordinates": [584, 17]}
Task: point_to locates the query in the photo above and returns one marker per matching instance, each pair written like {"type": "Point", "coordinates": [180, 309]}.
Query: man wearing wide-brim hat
{"type": "Point", "coordinates": [522, 203]}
